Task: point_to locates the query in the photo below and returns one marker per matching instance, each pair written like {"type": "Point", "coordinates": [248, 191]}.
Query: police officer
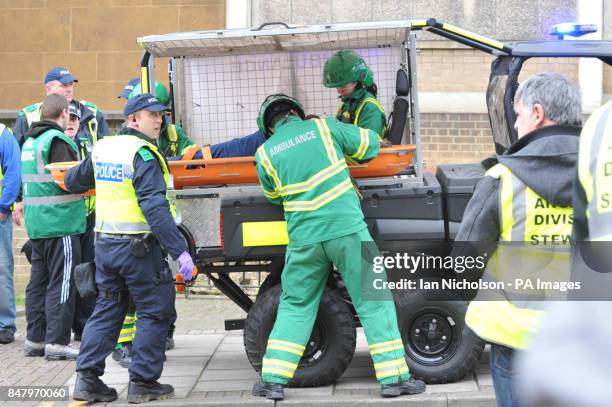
{"type": "Point", "coordinates": [83, 306]}
{"type": "Point", "coordinates": [60, 81]}
{"type": "Point", "coordinates": [134, 220]}
{"type": "Point", "coordinates": [310, 179]}
{"type": "Point", "coordinates": [348, 73]}
{"type": "Point", "coordinates": [54, 220]}
{"type": "Point", "coordinates": [532, 180]}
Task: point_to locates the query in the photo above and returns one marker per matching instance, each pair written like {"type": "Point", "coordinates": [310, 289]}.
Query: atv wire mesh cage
{"type": "Point", "coordinates": [223, 76]}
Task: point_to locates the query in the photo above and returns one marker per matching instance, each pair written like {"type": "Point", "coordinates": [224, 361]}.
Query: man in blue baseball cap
{"type": "Point", "coordinates": [91, 126]}
{"type": "Point", "coordinates": [61, 81]}
{"type": "Point", "coordinates": [134, 220]}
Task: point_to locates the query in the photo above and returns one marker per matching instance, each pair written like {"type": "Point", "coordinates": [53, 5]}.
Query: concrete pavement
{"type": "Point", "coordinates": [209, 367]}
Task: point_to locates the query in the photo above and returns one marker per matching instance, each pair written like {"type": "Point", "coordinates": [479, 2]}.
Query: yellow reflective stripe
{"type": "Point", "coordinates": [285, 343]}
{"type": "Point", "coordinates": [391, 372]}
{"type": "Point", "coordinates": [506, 194]}
{"type": "Point", "coordinates": [507, 197]}
{"type": "Point", "coordinates": [286, 349]}
{"type": "Point", "coordinates": [278, 372]}
{"type": "Point", "coordinates": [363, 103]}
{"type": "Point", "coordinates": [321, 200]}
{"type": "Point", "coordinates": [271, 194]}
{"type": "Point", "coordinates": [173, 137]}
{"type": "Point", "coordinates": [388, 349]}
{"type": "Point", "coordinates": [313, 181]}
{"type": "Point", "coordinates": [385, 344]}
{"type": "Point", "coordinates": [395, 363]}
{"type": "Point", "coordinates": [472, 36]}
{"type": "Point", "coordinates": [327, 140]}
{"type": "Point", "coordinates": [363, 144]}
{"type": "Point", "coordinates": [418, 23]}
{"type": "Point", "coordinates": [267, 164]}
{"type": "Point", "coordinates": [279, 362]}
{"type": "Point", "coordinates": [183, 151]}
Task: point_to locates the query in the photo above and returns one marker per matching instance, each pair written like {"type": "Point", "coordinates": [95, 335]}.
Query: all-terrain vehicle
{"type": "Point", "coordinates": [218, 80]}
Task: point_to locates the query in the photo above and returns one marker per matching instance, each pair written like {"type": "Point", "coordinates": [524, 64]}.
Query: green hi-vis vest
{"type": "Point", "coordinates": [117, 209]}
{"type": "Point", "coordinates": [353, 117]}
{"type": "Point", "coordinates": [49, 210]}
{"type": "Point", "coordinates": [595, 172]}
{"type": "Point", "coordinates": [527, 218]}
{"type": "Point", "coordinates": [32, 114]}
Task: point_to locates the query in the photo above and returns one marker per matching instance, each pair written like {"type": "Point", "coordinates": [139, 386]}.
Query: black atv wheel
{"type": "Point", "coordinates": [329, 350]}
{"type": "Point", "coordinates": [439, 346]}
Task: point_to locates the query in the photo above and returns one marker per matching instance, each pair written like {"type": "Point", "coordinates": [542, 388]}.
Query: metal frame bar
{"type": "Point", "coordinates": [415, 111]}
{"type": "Point", "coordinates": [147, 72]}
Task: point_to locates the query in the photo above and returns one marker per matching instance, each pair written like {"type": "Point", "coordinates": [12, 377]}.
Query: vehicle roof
{"type": "Point", "coordinates": [562, 48]}
{"type": "Point", "coordinates": [374, 34]}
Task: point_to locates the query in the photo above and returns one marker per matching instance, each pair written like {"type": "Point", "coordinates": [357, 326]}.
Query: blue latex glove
{"type": "Point", "coordinates": [185, 265]}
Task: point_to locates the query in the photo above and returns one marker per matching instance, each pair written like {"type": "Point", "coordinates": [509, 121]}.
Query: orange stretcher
{"type": "Point", "coordinates": [209, 171]}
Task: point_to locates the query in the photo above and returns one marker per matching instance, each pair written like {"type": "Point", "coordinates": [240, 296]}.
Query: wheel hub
{"type": "Point", "coordinates": [431, 337]}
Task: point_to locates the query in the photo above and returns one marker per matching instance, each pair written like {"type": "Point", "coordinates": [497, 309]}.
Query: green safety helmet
{"type": "Point", "coordinates": [161, 92]}
{"type": "Point", "coordinates": [344, 67]}
{"type": "Point", "coordinates": [274, 104]}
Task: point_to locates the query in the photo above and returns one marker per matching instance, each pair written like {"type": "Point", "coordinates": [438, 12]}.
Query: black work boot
{"type": "Point", "coordinates": [90, 388]}
{"type": "Point", "coordinates": [412, 386]}
{"type": "Point", "coordinates": [272, 391]}
{"type": "Point", "coordinates": [141, 392]}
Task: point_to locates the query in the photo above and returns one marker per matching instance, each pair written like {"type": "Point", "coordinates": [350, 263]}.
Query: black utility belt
{"type": "Point", "coordinates": [140, 244]}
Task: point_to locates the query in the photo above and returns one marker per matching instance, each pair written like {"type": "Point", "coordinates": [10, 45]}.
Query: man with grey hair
{"type": "Point", "coordinates": [532, 180]}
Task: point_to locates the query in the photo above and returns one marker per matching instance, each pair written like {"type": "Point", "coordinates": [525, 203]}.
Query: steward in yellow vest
{"type": "Point", "coordinates": [525, 198]}
{"type": "Point", "coordinates": [593, 200]}
{"type": "Point", "coordinates": [135, 226]}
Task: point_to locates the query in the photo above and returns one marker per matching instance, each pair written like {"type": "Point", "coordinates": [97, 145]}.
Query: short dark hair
{"type": "Point", "coordinates": [53, 106]}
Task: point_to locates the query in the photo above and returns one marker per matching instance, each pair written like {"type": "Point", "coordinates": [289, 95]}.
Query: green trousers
{"type": "Point", "coordinates": [303, 282]}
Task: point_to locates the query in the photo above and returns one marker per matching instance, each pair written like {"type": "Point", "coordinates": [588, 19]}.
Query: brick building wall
{"type": "Point", "coordinates": [96, 40]}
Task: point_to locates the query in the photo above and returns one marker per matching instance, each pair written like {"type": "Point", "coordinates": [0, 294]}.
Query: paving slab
{"type": "Point", "coordinates": [224, 385]}
{"type": "Point", "coordinates": [306, 393]}
{"type": "Point", "coordinates": [472, 399]}
{"type": "Point", "coordinates": [420, 400]}
{"type": "Point", "coordinates": [468, 384]}
{"type": "Point", "coordinates": [217, 375]}
{"type": "Point", "coordinates": [209, 368]}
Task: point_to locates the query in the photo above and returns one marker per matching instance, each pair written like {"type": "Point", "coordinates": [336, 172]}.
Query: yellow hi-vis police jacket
{"type": "Point", "coordinates": [117, 210]}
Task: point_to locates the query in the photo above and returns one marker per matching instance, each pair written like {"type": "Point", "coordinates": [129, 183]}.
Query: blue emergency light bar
{"type": "Point", "coordinates": [573, 29]}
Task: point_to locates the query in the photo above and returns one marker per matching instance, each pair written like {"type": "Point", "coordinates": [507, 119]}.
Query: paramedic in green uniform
{"type": "Point", "coordinates": [348, 73]}
{"type": "Point", "coordinates": [302, 167]}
